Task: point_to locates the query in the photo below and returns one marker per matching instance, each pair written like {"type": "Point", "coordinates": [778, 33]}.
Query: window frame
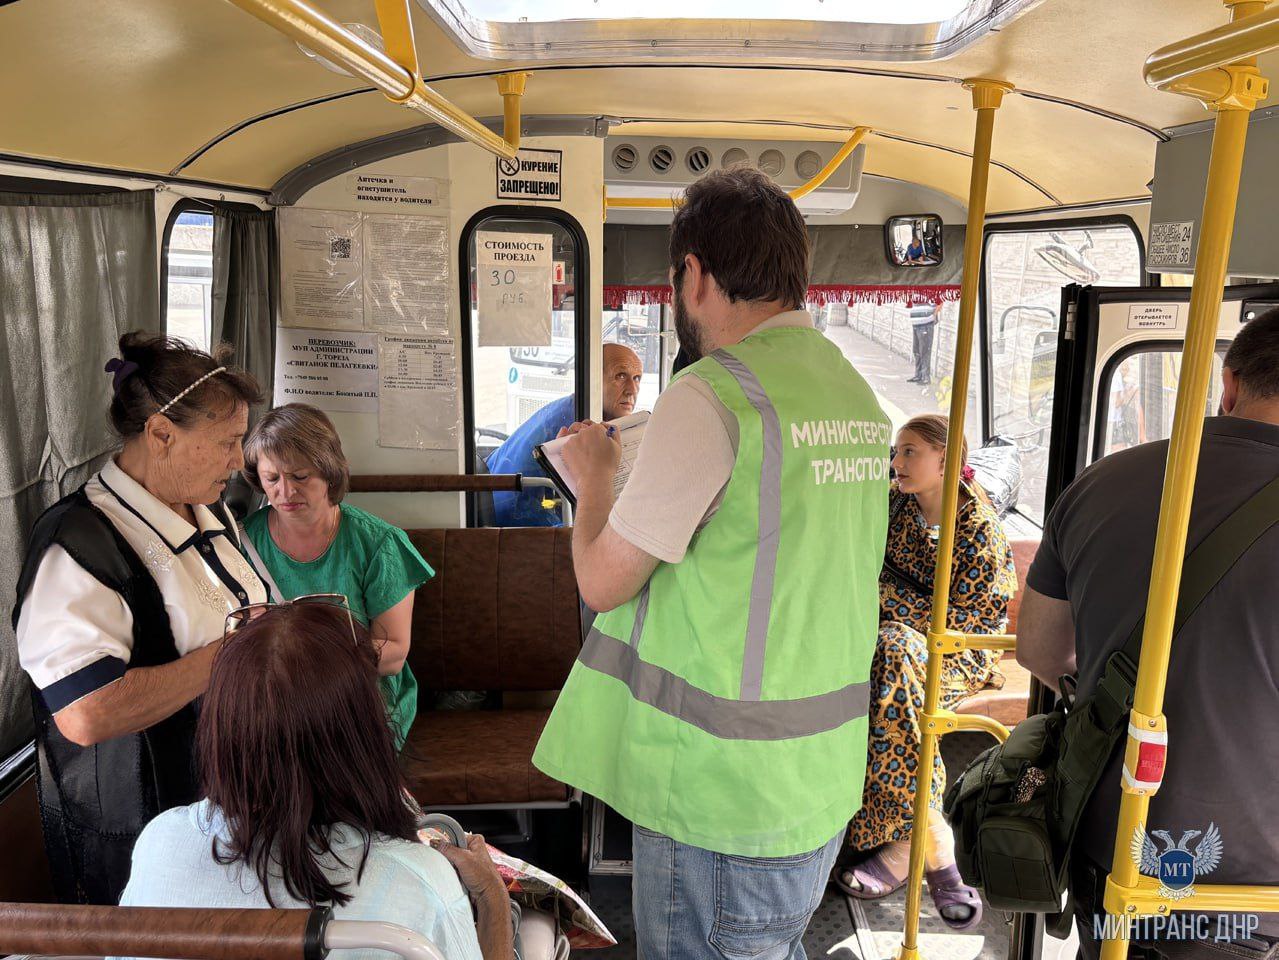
{"type": "Point", "coordinates": [1102, 386]}
{"type": "Point", "coordinates": [185, 205]}
{"type": "Point", "coordinates": [983, 300]}
{"type": "Point", "coordinates": [581, 317]}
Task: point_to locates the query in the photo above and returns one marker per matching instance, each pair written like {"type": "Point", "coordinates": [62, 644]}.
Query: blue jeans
{"type": "Point", "coordinates": [692, 904]}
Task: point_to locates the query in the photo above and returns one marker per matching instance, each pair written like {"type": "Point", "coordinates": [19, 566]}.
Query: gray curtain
{"type": "Point", "coordinates": [636, 255]}
{"type": "Point", "coordinates": [76, 272]}
{"type": "Point", "coordinates": [246, 288]}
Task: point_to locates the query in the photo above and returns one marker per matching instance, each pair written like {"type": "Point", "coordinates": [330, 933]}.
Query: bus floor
{"type": "Point", "coordinates": [848, 929]}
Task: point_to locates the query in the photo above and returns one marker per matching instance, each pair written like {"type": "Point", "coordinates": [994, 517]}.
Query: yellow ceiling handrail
{"type": "Point", "coordinates": [803, 190]}
{"type": "Point", "coordinates": [329, 39]}
{"type": "Point", "coordinates": [1198, 66]}
{"type": "Point", "coordinates": [396, 24]}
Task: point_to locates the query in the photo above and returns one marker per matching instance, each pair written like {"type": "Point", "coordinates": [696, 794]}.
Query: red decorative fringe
{"type": "Point", "coordinates": [617, 295]}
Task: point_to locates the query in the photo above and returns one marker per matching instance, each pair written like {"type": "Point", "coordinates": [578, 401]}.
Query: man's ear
{"type": "Point", "coordinates": [1229, 390]}
{"type": "Point", "coordinates": [693, 284]}
{"type": "Point", "coordinates": [160, 433]}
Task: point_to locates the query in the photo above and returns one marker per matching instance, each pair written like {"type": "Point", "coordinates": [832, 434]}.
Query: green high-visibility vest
{"type": "Point", "coordinates": [725, 705]}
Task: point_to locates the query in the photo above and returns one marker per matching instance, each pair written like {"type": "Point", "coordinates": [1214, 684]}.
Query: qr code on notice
{"type": "Point", "coordinates": [339, 248]}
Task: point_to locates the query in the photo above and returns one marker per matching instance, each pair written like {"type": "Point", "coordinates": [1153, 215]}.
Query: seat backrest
{"type": "Point", "coordinates": [501, 613]}
{"type": "Point", "coordinates": [1023, 555]}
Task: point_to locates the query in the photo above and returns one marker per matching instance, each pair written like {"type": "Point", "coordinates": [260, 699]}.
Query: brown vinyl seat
{"type": "Point", "coordinates": [1008, 704]}
{"type": "Point", "coordinates": [501, 615]}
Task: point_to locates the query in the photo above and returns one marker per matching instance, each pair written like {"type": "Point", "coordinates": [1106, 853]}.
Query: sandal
{"type": "Point", "coordinates": [948, 889]}
{"type": "Point", "coordinates": [870, 872]}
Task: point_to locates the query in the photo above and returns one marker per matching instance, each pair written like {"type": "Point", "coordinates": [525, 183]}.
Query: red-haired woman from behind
{"type": "Point", "coordinates": [304, 803]}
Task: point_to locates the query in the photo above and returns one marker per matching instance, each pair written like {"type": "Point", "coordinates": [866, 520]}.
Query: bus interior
{"type": "Point", "coordinates": [214, 169]}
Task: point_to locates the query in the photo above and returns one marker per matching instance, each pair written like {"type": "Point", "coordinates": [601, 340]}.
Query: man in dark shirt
{"type": "Point", "coordinates": [1086, 590]}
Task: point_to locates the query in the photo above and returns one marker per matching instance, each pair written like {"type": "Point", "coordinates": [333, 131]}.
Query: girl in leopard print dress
{"type": "Point", "coordinates": [983, 581]}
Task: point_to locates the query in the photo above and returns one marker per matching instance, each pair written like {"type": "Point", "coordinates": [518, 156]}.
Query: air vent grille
{"type": "Point", "coordinates": [808, 164]}
{"type": "Point", "coordinates": [697, 160]}
{"type": "Point", "coordinates": [772, 162]}
{"type": "Point", "coordinates": [661, 159]}
{"type": "Point", "coordinates": [733, 156]}
{"type": "Point", "coordinates": [625, 157]}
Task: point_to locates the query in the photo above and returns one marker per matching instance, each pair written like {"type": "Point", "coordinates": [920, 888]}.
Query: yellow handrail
{"type": "Point", "coordinates": [803, 190]}
{"type": "Point", "coordinates": [987, 97]}
{"type": "Point", "coordinates": [329, 39]}
{"type": "Point", "coordinates": [1128, 894]}
{"type": "Point", "coordinates": [1251, 32]}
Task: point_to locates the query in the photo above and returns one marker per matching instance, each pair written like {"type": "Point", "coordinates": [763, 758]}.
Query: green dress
{"type": "Point", "coordinates": [373, 564]}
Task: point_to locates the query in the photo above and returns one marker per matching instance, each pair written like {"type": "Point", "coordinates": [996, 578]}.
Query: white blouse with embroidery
{"type": "Point", "coordinates": [75, 635]}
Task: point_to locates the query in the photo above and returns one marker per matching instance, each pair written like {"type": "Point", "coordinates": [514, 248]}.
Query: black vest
{"type": "Point", "coordinates": [94, 801]}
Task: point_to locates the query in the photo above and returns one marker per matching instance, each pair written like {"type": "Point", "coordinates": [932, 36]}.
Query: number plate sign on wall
{"type": "Point", "coordinates": [532, 175]}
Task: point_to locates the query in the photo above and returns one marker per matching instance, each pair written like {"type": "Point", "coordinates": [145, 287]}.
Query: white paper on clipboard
{"type": "Point", "coordinates": [321, 269]}
{"type": "Point", "coordinates": [513, 273]}
{"type": "Point", "coordinates": [629, 431]}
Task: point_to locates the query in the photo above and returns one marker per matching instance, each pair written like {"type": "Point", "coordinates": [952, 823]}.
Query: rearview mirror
{"type": "Point", "coordinates": [914, 240]}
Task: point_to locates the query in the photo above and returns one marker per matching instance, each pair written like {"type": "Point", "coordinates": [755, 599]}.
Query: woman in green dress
{"type": "Point", "coordinates": [309, 541]}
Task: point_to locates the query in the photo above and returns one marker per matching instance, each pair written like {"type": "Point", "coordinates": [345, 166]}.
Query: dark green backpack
{"type": "Point", "coordinates": [1016, 808]}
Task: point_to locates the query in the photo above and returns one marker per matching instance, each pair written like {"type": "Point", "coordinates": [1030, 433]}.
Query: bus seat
{"type": "Point", "coordinates": [501, 615]}
{"type": "Point", "coordinates": [1008, 703]}
{"type": "Point", "coordinates": [24, 869]}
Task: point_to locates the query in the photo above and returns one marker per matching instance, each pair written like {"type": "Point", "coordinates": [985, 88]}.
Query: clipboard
{"type": "Point", "coordinates": [629, 432]}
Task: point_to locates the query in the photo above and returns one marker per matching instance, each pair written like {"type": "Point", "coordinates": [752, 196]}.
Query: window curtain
{"type": "Point", "coordinates": [76, 272]}
{"type": "Point", "coordinates": [246, 290]}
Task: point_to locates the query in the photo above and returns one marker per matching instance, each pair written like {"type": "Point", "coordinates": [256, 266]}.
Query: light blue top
{"type": "Point", "coordinates": [406, 883]}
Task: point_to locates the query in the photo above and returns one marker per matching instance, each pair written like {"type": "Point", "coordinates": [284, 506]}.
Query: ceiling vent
{"type": "Point", "coordinates": [625, 157]}
{"type": "Point", "coordinates": [661, 159]}
{"type": "Point", "coordinates": [697, 160]}
{"type": "Point", "coordinates": [772, 162]}
{"type": "Point", "coordinates": [808, 164]}
{"type": "Point", "coordinates": [732, 157]}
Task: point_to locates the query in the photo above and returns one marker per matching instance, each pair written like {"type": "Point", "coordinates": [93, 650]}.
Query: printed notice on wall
{"type": "Point", "coordinates": [321, 260]}
{"type": "Point", "coordinates": [513, 280]}
{"type": "Point", "coordinates": [398, 194]}
{"type": "Point", "coordinates": [329, 370]}
{"type": "Point", "coordinates": [532, 175]}
{"type": "Point", "coordinates": [1154, 316]}
{"type": "Point", "coordinates": [418, 386]}
{"type": "Point", "coordinates": [406, 274]}
{"type": "Point", "coordinates": [1170, 244]}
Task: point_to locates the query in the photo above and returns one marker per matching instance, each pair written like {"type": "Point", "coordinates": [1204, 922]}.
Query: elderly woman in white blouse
{"type": "Point", "coordinates": [122, 603]}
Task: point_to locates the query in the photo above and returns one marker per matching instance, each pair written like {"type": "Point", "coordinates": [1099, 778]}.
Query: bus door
{"type": "Point", "coordinates": [1119, 363]}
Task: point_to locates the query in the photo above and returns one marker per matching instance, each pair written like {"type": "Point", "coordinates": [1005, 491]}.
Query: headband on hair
{"type": "Point", "coordinates": [211, 373]}
{"type": "Point", "coordinates": [121, 371]}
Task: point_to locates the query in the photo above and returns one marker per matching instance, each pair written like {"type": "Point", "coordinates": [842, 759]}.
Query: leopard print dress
{"type": "Point", "coordinates": [983, 581]}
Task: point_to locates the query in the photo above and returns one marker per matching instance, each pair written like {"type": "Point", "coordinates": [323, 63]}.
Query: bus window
{"type": "Point", "coordinates": [1140, 393]}
{"type": "Point", "coordinates": [188, 279]}
{"type": "Point", "coordinates": [641, 327]}
{"type": "Point", "coordinates": [1025, 270]}
{"type": "Point", "coordinates": [881, 342]}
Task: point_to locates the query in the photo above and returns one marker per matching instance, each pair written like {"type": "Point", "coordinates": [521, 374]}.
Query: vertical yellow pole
{"type": "Point", "coordinates": [1215, 228]}
{"type": "Point", "coordinates": [987, 97]}
{"type": "Point", "coordinates": [511, 87]}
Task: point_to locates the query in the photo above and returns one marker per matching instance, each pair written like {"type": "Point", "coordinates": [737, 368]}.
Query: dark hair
{"type": "Point", "coordinates": [747, 233]}
{"type": "Point", "coordinates": [1254, 356]}
{"type": "Point", "coordinates": [165, 367]}
{"type": "Point", "coordinates": [299, 434]}
{"type": "Point", "coordinates": [293, 739]}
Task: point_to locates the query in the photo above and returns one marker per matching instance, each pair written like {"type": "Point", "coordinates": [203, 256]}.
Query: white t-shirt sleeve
{"type": "Point", "coordinates": [75, 635]}
{"type": "Point", "coordinates": [683, 464]}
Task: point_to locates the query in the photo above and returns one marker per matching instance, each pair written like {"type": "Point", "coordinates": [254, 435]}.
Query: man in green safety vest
{"type": "Point", "coordinates": [720, 699]}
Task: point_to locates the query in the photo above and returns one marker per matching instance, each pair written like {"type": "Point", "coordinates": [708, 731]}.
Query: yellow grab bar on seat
{"type": "Point", "coordinates": [331, 40]}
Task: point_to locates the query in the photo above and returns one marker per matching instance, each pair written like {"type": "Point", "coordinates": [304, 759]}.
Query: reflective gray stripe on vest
{"type": "Point", "coordinates": [718, 716]}
{"type": "Point", "coordinates": [641, 611]}
{"type": "Point", "coordinates": [770, 524]}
